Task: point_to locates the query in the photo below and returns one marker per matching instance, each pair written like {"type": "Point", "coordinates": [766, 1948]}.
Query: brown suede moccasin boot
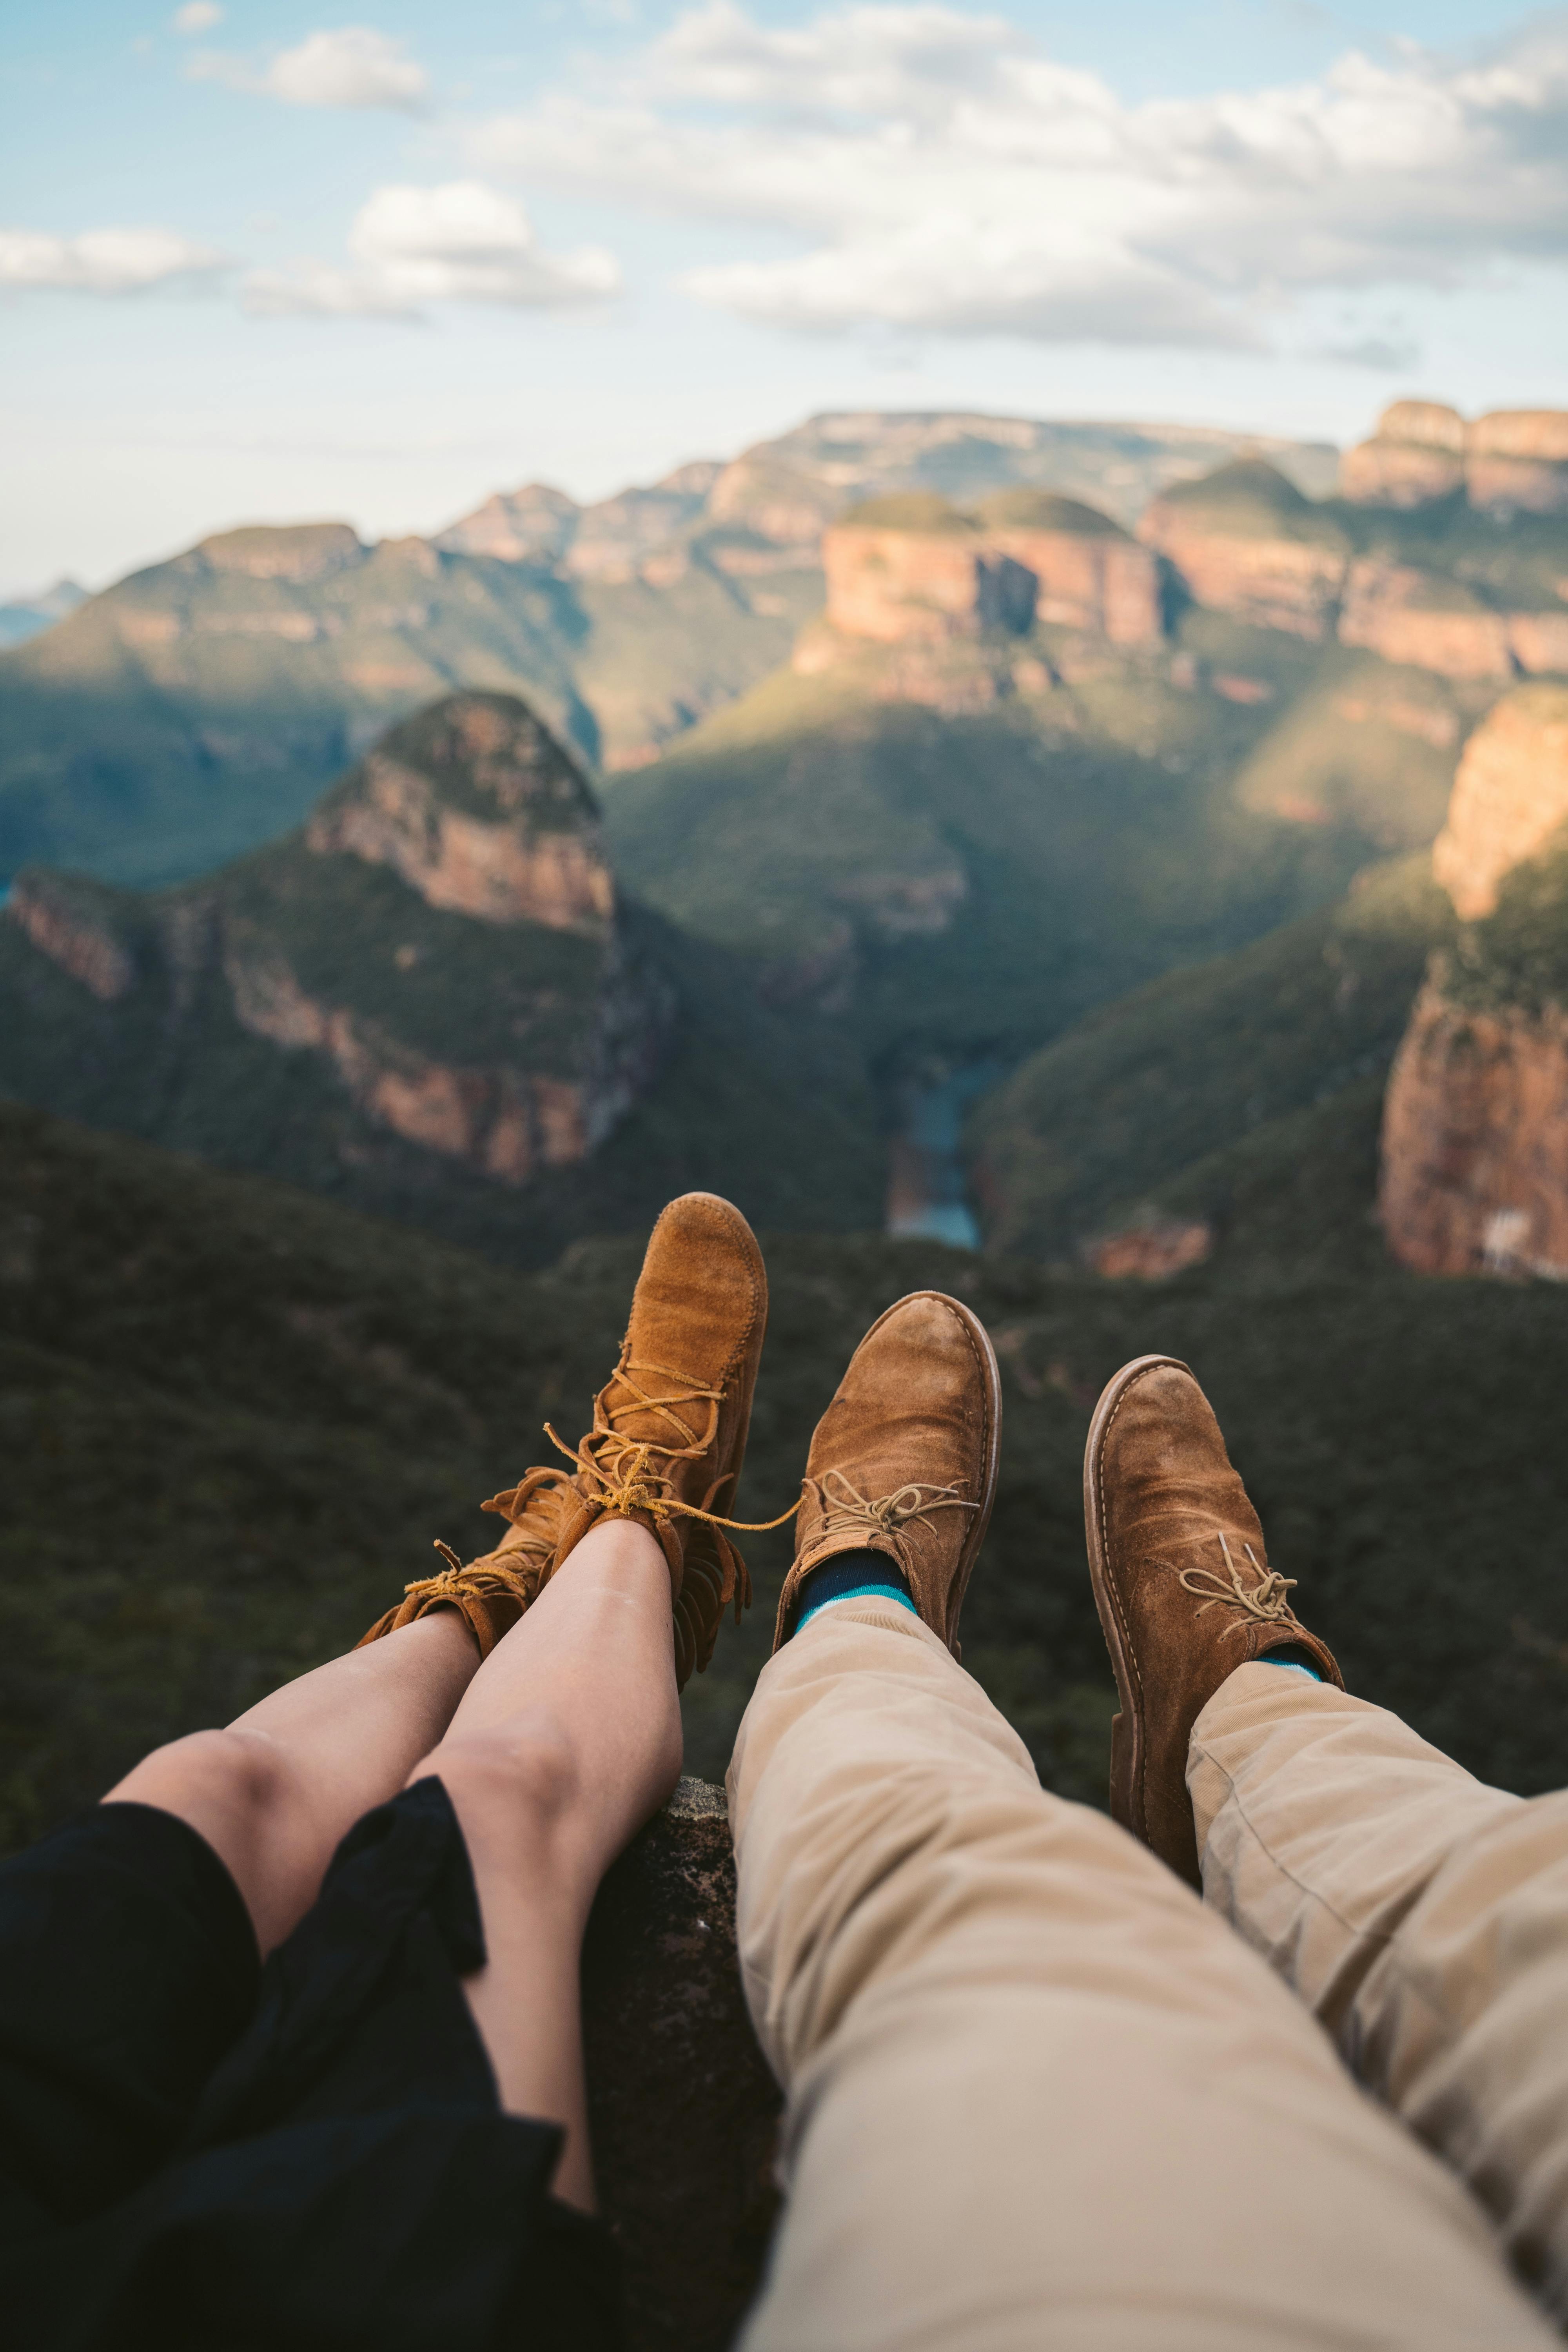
{"type": "Point", "coordinates": [666, 1447]}
{"type": "Point", "coordinates": [669, 1429]}
{"type": "Point", "coordinates": [903, 1462]}
{"type": "Point", "coordinates": [490, 1593]}
{"type": "Point", "coordinates": [1184, 1588]}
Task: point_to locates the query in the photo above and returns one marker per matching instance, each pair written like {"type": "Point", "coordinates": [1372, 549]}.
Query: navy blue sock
{"type": "Point", "coordinates": [847, 1576]}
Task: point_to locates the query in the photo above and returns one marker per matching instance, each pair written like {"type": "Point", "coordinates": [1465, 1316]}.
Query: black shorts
{"type": "Point", "coordinates": [202, 2154]}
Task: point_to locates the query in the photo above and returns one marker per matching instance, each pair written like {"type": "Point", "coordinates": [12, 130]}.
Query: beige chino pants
{"type": "Point", "coordinates": [1422, 1917]}
{"type": "Point", "coordinates": [1037, 2094]}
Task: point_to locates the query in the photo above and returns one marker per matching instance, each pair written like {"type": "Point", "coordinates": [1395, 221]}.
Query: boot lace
{"type": "Point", "coordinates": [1263, 1599]}
{"type": "Point", "coordinates": [623, 1474]}
{"type": "Point", "coordinates": [847, 1511]}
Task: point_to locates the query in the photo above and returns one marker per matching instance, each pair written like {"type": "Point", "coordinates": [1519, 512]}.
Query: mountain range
{"type": "Point", "coordinates": [1213, 839]}
{"type": "Point", "coordinates": [1022, 780]}
{"type": "Point", "coordinates": [198, 707]}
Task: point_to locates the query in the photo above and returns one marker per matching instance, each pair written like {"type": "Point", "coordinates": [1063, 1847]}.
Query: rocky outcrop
{"type": "Point", "coordinates": [533, 525]}
{"type": "Point", "coordinates": [300, 553]}
{"type": "Point", "coordinates": [1510, 794]}
{"type": "Point", "coordinates": [1475, 1142]}
{"type": "Point", "coordinates": [442, 942]}
{"type": "Point", "coordinates": [72, 923]}
{"type": "Point", "coordinates": [480, 810]}
{"type": "Point", "coordinates": [1244, 540]}
{"type": "Point", "coordinates": [911, 570]}
{"type": "Point", "coordinates": [1151, 1249]}
{"type": "Point", "coordinates": [1474, 1133]}
{"type": "Point", "coordinates": [1514, 461]}
{"type": "Point", "coordinates": [1416, 455]}
{"type": "Point", "coordinates": [1425, 619]}
{"type": "Point", "coordinates": [683, 2111]}
{"type": "Point", "coordinates": [1090, 575]}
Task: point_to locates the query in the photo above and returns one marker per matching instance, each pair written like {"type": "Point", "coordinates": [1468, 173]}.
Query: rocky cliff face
{"type": "Point", "coordinates": [441, 946]}
{"type": "Point", "coordinates": [1474, 1173]}
{"type": "Point", "coordinates": [1244, 541]}
{"type": "Point", "coordinates": [913, 570]}
{"type": "Point", "coordinates": [1475, 1142]}
{"type": "Point", "coordinates": [1514, 461]}
{"type": "Point", "coordinates": [1510, 794]}
{"type": "Point", "coordinates": [1400, 566]}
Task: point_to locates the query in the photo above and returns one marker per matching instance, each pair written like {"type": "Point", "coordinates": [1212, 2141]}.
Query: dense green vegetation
{"type": "Point", "coordinates": [1165, 1079]}
{"type": "Point", "coordinates": [967, 881]}
{"type": "Point", "coordinates": [233, 1418]}
{"type": "Point", "coordinates": [194, 710]}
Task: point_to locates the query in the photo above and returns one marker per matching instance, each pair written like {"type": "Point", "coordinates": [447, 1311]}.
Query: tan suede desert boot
{"type": "Point", "coordinates": [1182, 1584]}
{"type": "Point", "coordinates": [666, 1447]}
{"type": "Point", "coordinates": [903, 1462]}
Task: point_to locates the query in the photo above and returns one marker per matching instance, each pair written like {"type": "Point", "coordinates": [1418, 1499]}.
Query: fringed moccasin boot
{"type": "Point", "coordinates": [667, 1440]}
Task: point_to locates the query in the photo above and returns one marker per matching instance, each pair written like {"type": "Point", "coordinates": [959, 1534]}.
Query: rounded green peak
{"type": "Point", "coordinates": [1252, 500]}
{"type": "Point", "coordinates": [907, 510]}
{"type": "Point", "coordinates": [1250, 478]}
{"type": "Point", "coordinates": [1026, 509]}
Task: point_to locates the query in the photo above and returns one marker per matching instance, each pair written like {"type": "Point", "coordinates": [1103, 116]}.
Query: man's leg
{"type": "Point", "coordinates": [1037, 2093]}
{"type": "Point", "coordinates": [1421, 1916]}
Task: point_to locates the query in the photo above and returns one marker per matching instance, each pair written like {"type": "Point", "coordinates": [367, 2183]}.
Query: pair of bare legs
{"type": "Point", "coordinates": [554, 1752]}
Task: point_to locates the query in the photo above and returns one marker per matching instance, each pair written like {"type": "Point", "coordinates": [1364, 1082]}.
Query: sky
{"type": "Point", "coordinates": [268, 263]}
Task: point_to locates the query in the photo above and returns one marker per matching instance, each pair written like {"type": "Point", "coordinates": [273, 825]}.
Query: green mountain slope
{"type": "Point", "coordinates": [199, 706]}
{"type": "Point", "coordinates": [1161, 1085]}
{"type": "Point", "coordinates": [235, 1417]}
{"type": "Point", "coordinates": [963, 865]}
{"type": "Point", "coordinates": [430, 1002]}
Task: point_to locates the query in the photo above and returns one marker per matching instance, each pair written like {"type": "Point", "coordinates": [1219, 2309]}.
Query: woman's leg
{"type": "Point", "coordinates": [275, 1793]}
{"type": "Point", "coordinates": [567, 1740]}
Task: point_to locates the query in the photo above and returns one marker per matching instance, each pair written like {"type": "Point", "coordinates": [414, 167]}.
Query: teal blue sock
{"type": "Point", "coordinates": [851, 1576]}
{"type": "Point", "coordinates": [1295, 1662]}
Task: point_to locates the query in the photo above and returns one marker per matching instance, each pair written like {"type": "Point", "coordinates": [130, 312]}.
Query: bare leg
{"type": "Point", "coordinates": [567, 1740]}
{"type": "Point", "coordinates": [275, 1793]}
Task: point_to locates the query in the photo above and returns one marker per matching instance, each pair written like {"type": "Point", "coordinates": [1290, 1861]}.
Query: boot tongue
{"type": "Point", "coordinates": [674, 1427]}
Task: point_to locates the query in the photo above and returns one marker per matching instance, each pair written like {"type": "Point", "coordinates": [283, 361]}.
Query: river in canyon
{"type": "Point", "coordinates": [928, 1195]}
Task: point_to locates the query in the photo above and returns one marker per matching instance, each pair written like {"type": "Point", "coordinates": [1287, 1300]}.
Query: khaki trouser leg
{"type": "Point", "coordinates": [1422, 1916]}
{"type": "Point", "coordinates": [1038, 2094]}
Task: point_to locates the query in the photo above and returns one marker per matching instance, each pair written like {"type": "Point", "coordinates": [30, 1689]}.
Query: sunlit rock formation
{"type": "Point", "coordinates": [436, 961]}
{"type": "Point", "coordinates": [1514, 461]}
{"type": "Point", "coordinates": [1474, 1137]}
{"type": "Point", "coordinates": [1244, 540]}
{"type": "Point", "coordinates": [913, 570]}
{"type": "Point", "coordinates": [1510, 794]}
{"type": "Point", "coordinates": [1416, 455]}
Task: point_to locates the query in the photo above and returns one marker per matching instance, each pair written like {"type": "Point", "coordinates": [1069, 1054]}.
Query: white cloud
{"type": "Point", "coordinates": [103, 260]}
{"type": "Point", "coordinates": [355, 66]}
{"type": "Point", "coordinates": [458, 243]}
{"type": "Point", "coordinates": [196, 16]}
{"type": "Point", "coordinates": [935, 172]}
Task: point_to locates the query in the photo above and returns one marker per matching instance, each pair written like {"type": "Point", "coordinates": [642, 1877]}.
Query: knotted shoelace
{"type": "Point", "coordinates": [847, 1511]}
{"type": "Point", "coordinates": [1264, 1599]}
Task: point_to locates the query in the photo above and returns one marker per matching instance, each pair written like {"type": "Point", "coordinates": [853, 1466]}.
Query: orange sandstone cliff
{"type": "Point", "coordinates": [912, 570]}
{"type": "Point", "coordinates": [1474, 1135]}
{"type": "Point", "coordinates": [1246, 541]}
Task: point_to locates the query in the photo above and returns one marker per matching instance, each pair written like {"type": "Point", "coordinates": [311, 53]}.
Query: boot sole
{"type": "Point", "coordinates": [1127, 1730]}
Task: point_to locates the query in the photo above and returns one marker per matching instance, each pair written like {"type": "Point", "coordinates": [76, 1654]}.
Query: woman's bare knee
{"type": "Point", "coordinates": [242, 1775]}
